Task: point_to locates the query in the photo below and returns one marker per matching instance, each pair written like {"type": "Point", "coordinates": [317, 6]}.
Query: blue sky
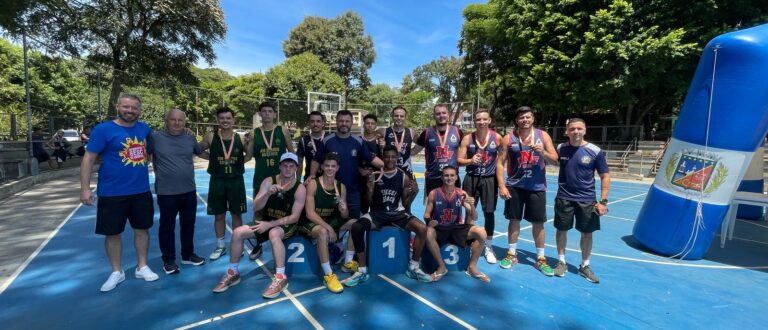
{"type": "Point", "coordinates": [405, 34]}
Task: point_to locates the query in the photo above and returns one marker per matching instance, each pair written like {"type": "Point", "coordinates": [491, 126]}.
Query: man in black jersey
{"type": "Point", "coordinates": [309, 144]}
{"type": "Point", "coordinates": [401, 138]}
{"type": "Point", "coordinates": [375, 143]}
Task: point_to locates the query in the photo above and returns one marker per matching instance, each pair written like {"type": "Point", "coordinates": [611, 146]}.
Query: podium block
{"type": "Point", "coordinates": [455, 258]}
{"type": "Point", "coordinates": [301, 257]}
{"type": "Point", "coordinates": [388, 251]}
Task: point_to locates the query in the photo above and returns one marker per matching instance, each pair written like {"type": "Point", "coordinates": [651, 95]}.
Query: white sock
{"type": "Point", "coordinates": [326, 268]}
{"type": "Point", "coordinates": [585, 263]}
{"type": "Point", "coordinates": [413, 265]}
{"type": "Point", "coordinates": [349, 256]}
{"type": "Point", "coordinates": [362, 269]}
{"type": "Point", "coordinates": [234, 267]}
{"type": "Point", "coordinates": [540, 252]}
{"type": "Point", "coordinates": [489, 242]}
{"type": "Point", "coordinates": [221, 242]}
{"type": "Point", "coordinates": [280, 270]}
{"type": "Point", "coordinates": [513, 248]}
{"type": "Point", "coordinates": [561, 257]}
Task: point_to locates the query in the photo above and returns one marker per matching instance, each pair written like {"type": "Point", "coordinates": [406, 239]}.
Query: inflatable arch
{"type": "Point", "coordinates": [723, 121]}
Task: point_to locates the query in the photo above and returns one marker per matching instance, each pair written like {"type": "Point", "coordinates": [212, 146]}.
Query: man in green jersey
{"type": "Point", "coordinates": [280, 202]}
{"type": "Point", "coordinates": [226, 190]}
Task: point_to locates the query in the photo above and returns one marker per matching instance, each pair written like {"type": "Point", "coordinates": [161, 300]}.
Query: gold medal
{"type": "Point", "coordinates": [268, 143]}
{"type": "Point", "coordinates": [227, 152]}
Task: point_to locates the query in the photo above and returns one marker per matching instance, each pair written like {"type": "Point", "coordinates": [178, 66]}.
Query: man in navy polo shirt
{"type": "Point", "coordinates": [350, 149]}
{"type": "Point", "coordinates": [575, 198]}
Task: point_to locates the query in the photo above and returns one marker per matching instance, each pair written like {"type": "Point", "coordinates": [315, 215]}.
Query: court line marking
{"type": "Point", "coordinates": [752, 222]}
{"type": "Point", "coordinates": [287, 293]}
{"type": "Point", "coordinates": [247, 309]}
{"type": "Point", "coordinates": [37, 251]}
{"type": "Point", "coordinates": [428, 303]}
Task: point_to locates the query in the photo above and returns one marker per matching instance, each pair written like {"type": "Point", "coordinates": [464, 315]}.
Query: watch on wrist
{"type": "Point", "coordinates": [604, 201]}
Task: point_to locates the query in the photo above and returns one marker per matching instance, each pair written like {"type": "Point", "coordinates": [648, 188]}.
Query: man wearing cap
{"type": "Point", "coordinates": [280, 201]}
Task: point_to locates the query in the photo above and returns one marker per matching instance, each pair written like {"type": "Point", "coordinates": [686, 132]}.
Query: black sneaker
{"type": "Point", "coordinates": [255, 253]}
{"type": "Point", "coordinates": [170, 267]}
{"type": "Point", "coordinates": [193, 260]}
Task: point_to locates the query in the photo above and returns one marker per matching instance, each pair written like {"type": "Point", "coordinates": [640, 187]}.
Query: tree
{"type": "Point", "coordinates": [245, 93]}
{"type": "Point", "coordinates": [295, 77]}
{"type": "Point", "coordinates": [632, 59]}
{"type": "Point", "coordinates": [442, 77]}
{"type": "Point", "coordinates": [134, 39]}
{"type": "Point", "coordinates": [340, 43]}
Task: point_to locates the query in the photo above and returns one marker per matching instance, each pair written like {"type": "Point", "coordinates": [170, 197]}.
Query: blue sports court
{"type": "Point", "coordinates": [59, 288]}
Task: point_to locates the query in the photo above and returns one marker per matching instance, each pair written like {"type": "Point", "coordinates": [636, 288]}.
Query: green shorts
{"type": "Point", "coordinates": [288, 232]}
{"type": "Point", "coordinates": [306, 226]}
{"type": "Point", "coordinates": [226, 194]}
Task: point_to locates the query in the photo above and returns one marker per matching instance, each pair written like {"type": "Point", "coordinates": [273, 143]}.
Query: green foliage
{"type": "Point", "coordinates": [631, 58]}
{"type": "Point", "coordinates": [442, 77]}
{"type": "Point", "coordinates": [340, 43]}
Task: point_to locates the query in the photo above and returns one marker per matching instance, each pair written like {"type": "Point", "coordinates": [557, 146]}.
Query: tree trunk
{"type": "Point", "coordinates": [114, 93]}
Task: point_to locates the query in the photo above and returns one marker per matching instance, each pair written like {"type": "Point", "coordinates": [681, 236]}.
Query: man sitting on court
{"type": "Point", "coordinates": [386, 195]}
{"type": "Point", "coordinates": [280, 201]}
{"type": "Point", "coordinates": [326, 210]}
{"type": "Point", "coordinates": [445, 224]}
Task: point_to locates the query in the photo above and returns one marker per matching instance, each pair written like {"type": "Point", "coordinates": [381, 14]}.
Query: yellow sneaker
{"type": "Point", "coordinates": [349, 267]}
{"type": "Point", "coordinates": [332, 283]}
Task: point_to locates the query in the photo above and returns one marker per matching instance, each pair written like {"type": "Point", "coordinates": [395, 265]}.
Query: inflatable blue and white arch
{"type": "Point", "coordinates": [711, 147]}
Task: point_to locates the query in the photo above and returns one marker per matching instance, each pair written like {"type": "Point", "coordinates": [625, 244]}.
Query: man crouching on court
{"type": "Point", "coordinates": [280, 201]}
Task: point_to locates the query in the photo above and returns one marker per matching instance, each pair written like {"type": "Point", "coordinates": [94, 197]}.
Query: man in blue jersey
{"type": "Point", "coordinates": [441, 147]}
{"type": "Point", "coordinates": [350, 149]}
{"type": "Point", "coordinates": [123, 186]}
{"type": "Point", "coordinates": [478, 152]}
{"type": "Point", "coordinates": [579, 160]}
{"type": "Point", "coordinates": [446, 225]}
{"type": "Point", "coordinates": [525, 188]}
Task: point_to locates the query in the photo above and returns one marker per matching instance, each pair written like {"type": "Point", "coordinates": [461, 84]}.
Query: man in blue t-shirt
{"type": "Point", "coordinates": [350, 149]}
{"type": "Point", "coordinates": [575, 198]}
{"type": "Point", "coordinates": [123, 186]}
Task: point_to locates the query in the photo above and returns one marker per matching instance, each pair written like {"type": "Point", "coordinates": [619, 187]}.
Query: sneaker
{"type": "Point", "coordinates": [349, 267]}
{"type": "Point", "coordinates": [146, 273]}
{"type": "Point", "coordinates": [508, 261]}
{"type": "Point", "coordinates": [170, 267]}
{"type": "Point", "coordinates": [114, 279]}
{"type": "Point", "coordinates": [193, 260]}
{"type": "Point", "coordinates": [332, 283]}
{"type": "Point", "coordinates": [543, 267]}
{"type": "Point", "coordinates": [356, 279]}
{"type": "Point", "coordinates": [490, 257]}
{"type": "Point", "coordinates": [229, 279]}
{"type": "Point", "coordinates": [279, 283]}
{"type": "Point", "coordinates": [587, 273]}
{"type": "Point", "coordinates": [216, 254]}
{"type": "Point", "coordinates": [419, 275]}
{"type": "Point", "coordinates": [255, 253]}
{"type": "Point", "coordinates": [560, 269]}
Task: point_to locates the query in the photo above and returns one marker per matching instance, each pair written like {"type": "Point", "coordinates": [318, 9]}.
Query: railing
{"type": "Point", "coordinates": [624, 156]}
{"type": "Point", "coordinates": [659, 157]}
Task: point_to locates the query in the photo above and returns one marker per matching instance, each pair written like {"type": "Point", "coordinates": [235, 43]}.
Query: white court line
{"type": "Point", "coordinates": [428, 303]}
{"type": "Point", "coordinates": [39, 248]}
{"type": "Point", "coordinates": [287, 293]}
{"type": "Point", "coordinates": [620, 218]}
{"type": "Point", "coordinates": [247, 309]}
{"type": "Point", "coordinates": [753, 223]}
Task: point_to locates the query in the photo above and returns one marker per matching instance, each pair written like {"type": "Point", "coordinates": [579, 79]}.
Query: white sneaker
{"type": "Point", "coordinates": [489, 256]}
{"type": "Point", "coordinates": [147, 274]}
{"type": "Point", "coordinates": [114, 279]}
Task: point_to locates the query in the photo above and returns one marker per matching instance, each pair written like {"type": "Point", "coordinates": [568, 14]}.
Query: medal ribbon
{"type": "Point", "coordinates": [283, 186]}
{"type": "Point", "coordinates": [271, 135]}
{"type": "Point", "coordinates": [335, 190]}
{"type": "Point", "coordinates": [399, 143]}
{"type": "Point", "coordinates": [482, 146]}
{"type": "Point", "coordinates": [444, 138]}
{"type": "Point", "coordinates": [311, 140]}
{"type": "Point", "coordinates": [227, 153]}
{"type": "Point", "coordinates": [381, 174]}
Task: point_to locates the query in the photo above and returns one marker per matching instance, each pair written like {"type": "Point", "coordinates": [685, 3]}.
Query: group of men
{"type": "Point", "coordinates": [351, 184]}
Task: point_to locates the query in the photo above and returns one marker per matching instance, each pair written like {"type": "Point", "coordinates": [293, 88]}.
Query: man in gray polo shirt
{"type": "Point", "coordinates": [172, 149]}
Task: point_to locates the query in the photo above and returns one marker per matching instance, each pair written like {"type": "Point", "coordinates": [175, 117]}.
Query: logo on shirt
{"type": "Point", "coordinates": [527, 159]}
{"type": "Point", "coordinates": [453, 138]}
{"type": "Point", "coordinates": [586, 160]}
{"type": "Point", "coordinates": [493, 144]}
{"type": "Point", "coordinates": [134, 152]}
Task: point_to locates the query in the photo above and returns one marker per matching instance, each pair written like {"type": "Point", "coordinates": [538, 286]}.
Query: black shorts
{"type": "Point", "coordinates": [587, 219]}
{"type": "Point", "coordinates": [399, 219]}
{"type": "Point", "coordinates": [432, 184]}
{"type": "Point", "coordinates": [42, 157]}
{"type": "Point", "coordinates": [526, 204]}
{"type": "Point", "coordinates": [482, 188]}
{"type": "Point", "coordinates": [453, 234]}
{"type": "Point", "coordinates": [112, 212]}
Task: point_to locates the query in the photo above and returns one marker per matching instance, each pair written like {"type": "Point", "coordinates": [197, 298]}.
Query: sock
{"type": "Point", "coordinates": [488, 242]}
{"type": "Point", "coordinates": [512, 248]}
{"type": "Point", "coordinates": [349, 256]}
{"type": "Point", "coordinates": [413, 265]}
{"type": "Point", "coordinates": [326, 267]}
{"type": "Point", "coordinates": [561, 257]}
{"type": "Point", "coordinates": [585, 263]}
{"type": "Point", "coordinates": [280, 270]}
{"type": "Point", "coordinates": [221, 242]}
{"type": "Point", "coordinates": [540, 252]}
{"type": "Point", "coordinates": [362, 269]}
{"type": "Point", "coordinates": [234, 267]}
